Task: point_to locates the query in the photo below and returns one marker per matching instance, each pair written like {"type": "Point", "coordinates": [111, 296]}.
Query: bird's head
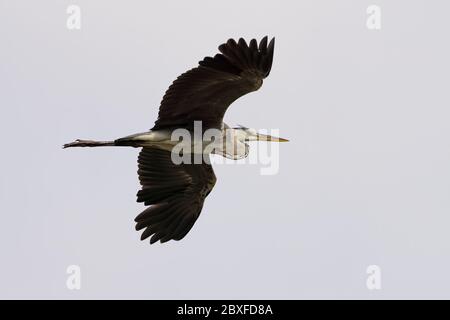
{"type": "Point", "coordinates": [250, 134]}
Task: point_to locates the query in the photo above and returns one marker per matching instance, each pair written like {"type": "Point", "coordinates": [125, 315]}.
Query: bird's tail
{"type": "Point", "coordinates": [89, 143]}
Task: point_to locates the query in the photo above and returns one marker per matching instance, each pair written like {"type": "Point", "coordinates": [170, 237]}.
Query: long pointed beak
{"type": "Point", "coordinates": [265, 137]}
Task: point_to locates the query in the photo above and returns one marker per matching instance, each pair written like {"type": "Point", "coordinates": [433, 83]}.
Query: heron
{"type": "Point", "coordinates": [174, 193]}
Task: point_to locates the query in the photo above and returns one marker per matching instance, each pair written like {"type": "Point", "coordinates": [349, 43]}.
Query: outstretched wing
{"type": "Point", "coordinates": [205, 92]}
{"type": "Point", "coordinates": [175, 192]}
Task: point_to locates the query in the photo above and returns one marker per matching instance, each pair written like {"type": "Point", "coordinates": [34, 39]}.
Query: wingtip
{"type": "Point", "coordinates": [243, 44]}
{"type": "Point", "coordinates": [241, 40]}
{"type": "Point", "coordinates": [266, 39]}
{"type": "Point", "coordinates": [157, 236]}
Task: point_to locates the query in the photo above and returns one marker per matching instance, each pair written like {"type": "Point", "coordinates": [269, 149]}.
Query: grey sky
{"type": "Point", "coordinates": [365, 179]}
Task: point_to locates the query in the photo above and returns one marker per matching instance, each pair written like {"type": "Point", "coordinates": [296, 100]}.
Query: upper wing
{"type": "Point", "coordinates": [175, 192]}
{"type": "Point", "coordinates": [205, 92]}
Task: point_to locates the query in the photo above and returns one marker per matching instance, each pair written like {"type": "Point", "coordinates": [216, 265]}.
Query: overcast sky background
{"type": "Point", "coordinates": [364, 181]}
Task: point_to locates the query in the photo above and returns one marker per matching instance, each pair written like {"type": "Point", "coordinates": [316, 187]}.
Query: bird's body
{"type": "Point", "coordinates": [229, 142]}
{"type": "Point", "coordinates": [174, 168]}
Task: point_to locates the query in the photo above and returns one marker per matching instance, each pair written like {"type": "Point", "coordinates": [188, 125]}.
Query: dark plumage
{"type": "Point", "coordinates": [205, 92]}
{"type": "Point", "coordinates": [175, 192]}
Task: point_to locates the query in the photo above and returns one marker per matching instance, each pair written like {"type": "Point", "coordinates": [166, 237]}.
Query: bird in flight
{"type": "Point", "coordinates": [174, 190]}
